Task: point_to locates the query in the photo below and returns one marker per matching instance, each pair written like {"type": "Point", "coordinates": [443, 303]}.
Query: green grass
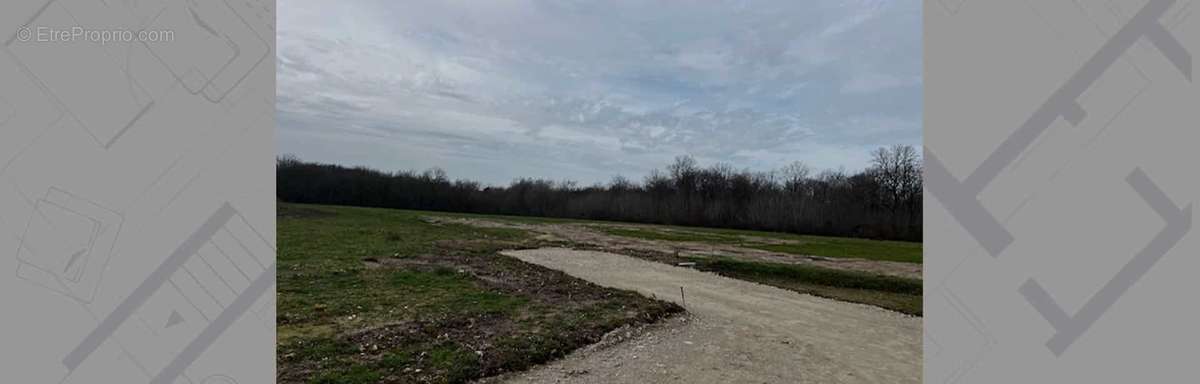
{"type": "Point", "coordinates": [323, 282]}
{"type": "Point", "coordinates": [895, 293]}
{"type": "Point", "coordinates": [369, 295]}
{"type": "Point", "coordinates": [353, 374]}
{"type": "Point", "coordinates": [826, 246]}
{"type": "Point", "coordinates": [817, 275]}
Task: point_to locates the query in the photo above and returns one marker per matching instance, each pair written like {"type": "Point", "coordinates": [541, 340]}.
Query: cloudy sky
{"type": "Point", "coordinates": [584, 90]}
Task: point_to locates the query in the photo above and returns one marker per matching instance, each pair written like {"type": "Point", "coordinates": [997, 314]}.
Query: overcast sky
{"type": "Point", "coordinates": [584, 90]}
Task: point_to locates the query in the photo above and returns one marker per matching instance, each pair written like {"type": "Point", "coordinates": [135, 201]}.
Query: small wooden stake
{"type": "Point", "coordinates": [681, 297]}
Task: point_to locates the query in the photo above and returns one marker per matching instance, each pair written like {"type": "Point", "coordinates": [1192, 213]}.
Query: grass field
{"type": "Point", "coordinates": [376, 295]}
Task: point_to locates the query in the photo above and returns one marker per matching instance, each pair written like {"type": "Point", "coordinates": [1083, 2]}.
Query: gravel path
{"type": "Point", "coordinates": [736, 331]}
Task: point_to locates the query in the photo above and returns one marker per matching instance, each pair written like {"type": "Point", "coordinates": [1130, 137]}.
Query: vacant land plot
{"type": "Point", "coordinates": [376, 295]}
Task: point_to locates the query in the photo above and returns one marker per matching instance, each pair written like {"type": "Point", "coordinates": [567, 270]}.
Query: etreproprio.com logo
{"type": "Point", "coordinates": [45, 34]}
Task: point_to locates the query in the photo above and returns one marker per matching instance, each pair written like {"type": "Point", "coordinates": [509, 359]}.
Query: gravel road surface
{"type": "Point", "coordinates": [735, 332]}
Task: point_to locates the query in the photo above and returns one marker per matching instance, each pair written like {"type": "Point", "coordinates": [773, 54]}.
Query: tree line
{"type": "Point", "coordinates": [882, 201]}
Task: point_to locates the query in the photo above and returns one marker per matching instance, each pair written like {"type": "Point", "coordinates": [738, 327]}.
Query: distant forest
{"type": "Point", "coordinates": [880, 202]}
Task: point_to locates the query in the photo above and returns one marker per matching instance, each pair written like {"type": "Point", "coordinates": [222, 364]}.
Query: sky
{"type": "Point", "coordinates": [586, 90]}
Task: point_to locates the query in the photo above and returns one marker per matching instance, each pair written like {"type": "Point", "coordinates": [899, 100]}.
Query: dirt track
{"type": "Point", "coordinates": [584, 234]}
{"type": "Point", "coordinates": [737, 331]}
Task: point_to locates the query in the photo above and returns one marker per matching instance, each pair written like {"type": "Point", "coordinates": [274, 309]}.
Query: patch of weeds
{"type": "Point", "coordinates": [288, 333]}
{"type": "Point", "coordinates": [313, 348]}
{"type": "Point", "coordinates": [396, 360]}
{"type": "Point", "coordinates": [487, 302]}
{"type": "Point", "coordinates": [441, 278]}
{"type": "Point", "coordinates": [453, 362]}
{"type": "Point", "coordinates": [353, 374]}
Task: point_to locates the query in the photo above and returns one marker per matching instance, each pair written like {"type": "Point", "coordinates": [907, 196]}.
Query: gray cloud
{"type": "Point", "coordinates": [586, 90]}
